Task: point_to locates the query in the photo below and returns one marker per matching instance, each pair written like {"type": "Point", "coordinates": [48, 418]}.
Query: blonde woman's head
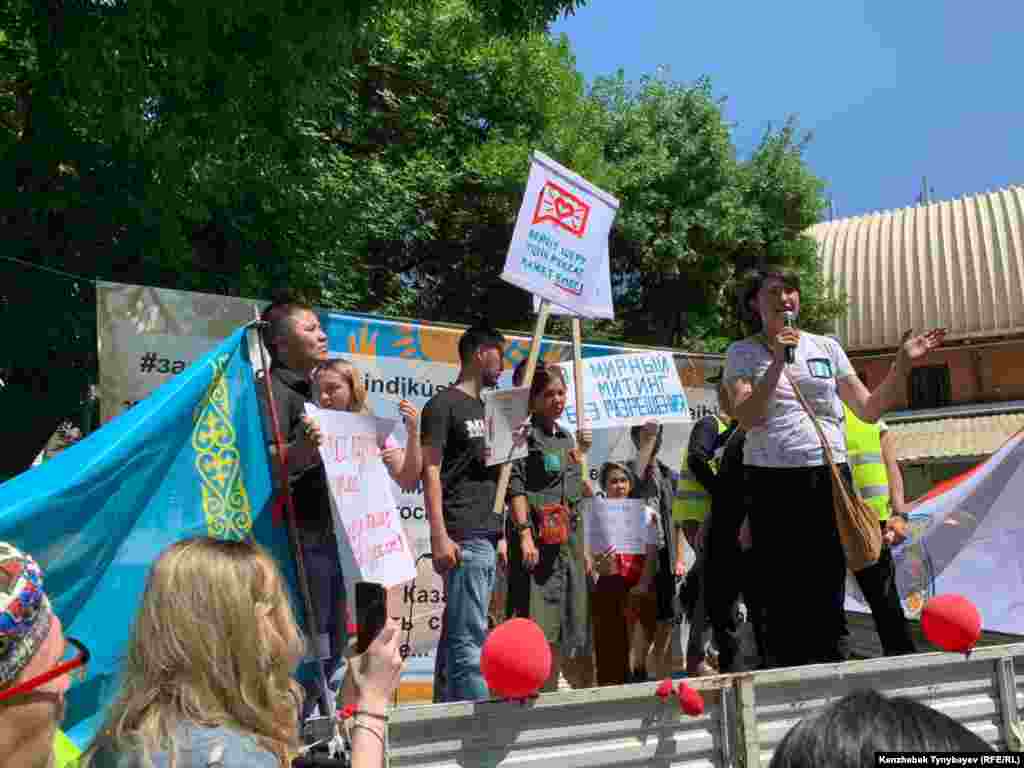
{"type": "Point", "coordinates": [214, 644]}
{"type": "Point", "coordinates": [338, 386]}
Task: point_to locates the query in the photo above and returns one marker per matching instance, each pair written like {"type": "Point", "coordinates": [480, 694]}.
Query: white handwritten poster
{"type": "Point", "coordinates": [559, 247]}
{"type": "Point", "coordinates": [375, 547]}
{"type": "Point", "coordinates": [626, 390]}
{"type": "Point", "coordinates": [619, 523]}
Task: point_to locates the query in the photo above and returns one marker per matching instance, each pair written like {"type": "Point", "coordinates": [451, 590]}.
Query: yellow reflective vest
{"type": "Point", "coordinates": [692, 502]}
{"type": "Point", "coordinates": [864, 453]}
{"type": "Point", "coordinates": [65, 753]}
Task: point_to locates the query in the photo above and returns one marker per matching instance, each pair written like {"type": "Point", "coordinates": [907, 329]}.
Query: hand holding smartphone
{"type": "Point", "coordinates": [371, 613]}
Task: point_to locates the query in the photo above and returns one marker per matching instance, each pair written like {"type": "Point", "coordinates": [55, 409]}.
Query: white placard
{"type": "Point", "coordinates": [375, 547]}
{"type": "Point", "coordinates": [559, 248]}
{"type": "Point", "coordinates": [626, 390]}
{"type": "Point", "coordinates": [504, 411]}
{"type": "Point", "coordinates": [619, 523]}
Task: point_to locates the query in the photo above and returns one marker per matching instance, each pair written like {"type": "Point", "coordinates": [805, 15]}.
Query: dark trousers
{"type": "Point", "coordinates": [878, 584]}
{"type": "Point", "coordinates": [730, 571]}
{"type": "Point", "coordinates": [320, 555]}
{"type": "Point", "coordinates": [608, 604]}
{"type": "Point", "coordinates": [801, 566]}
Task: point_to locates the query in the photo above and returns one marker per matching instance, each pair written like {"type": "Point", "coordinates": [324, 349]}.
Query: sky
{"type": "Point", "coordinates": [892, 91]}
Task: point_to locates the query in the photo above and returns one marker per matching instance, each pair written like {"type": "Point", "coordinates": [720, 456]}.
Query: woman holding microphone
{"type": "Point", "coordinates": [788, 485]}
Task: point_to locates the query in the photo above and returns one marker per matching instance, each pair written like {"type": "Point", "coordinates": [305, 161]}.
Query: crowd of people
{"type": "Point", "coordinates": [192, 696]}
{"type": "Point", "coordinates": [753, 485]}
{"type": "Point", "coordinates": [752, 496]}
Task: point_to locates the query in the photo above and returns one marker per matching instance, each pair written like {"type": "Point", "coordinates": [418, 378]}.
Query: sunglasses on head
{"type": "Point", "coordinates": [73, 662]}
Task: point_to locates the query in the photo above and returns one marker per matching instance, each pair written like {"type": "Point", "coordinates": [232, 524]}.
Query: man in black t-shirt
{"type": "Point", "coordinates": [459, 490]}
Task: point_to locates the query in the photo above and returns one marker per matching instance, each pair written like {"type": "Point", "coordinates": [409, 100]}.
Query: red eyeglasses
{"type": "Point", "coordinates": [74, 666]}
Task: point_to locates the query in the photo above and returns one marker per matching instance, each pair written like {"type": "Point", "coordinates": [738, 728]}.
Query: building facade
{"type": "Point", "coordinates": [958, 265]}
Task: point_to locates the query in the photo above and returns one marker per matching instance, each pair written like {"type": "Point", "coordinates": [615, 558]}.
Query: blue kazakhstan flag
{"type": "Point", "coordinates": [188, 460]}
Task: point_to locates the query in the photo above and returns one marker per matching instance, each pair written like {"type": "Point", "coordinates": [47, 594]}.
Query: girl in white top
{"type": "Point", "coordinates": [788, 487]}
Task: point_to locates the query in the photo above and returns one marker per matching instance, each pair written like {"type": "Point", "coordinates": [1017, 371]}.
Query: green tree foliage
{"type": "Point", "coordinates": [430, 137]}
{"type": "Point", "coordinates": [370, 155]}
{"type": "Point", "coordinates": [174, 143]}
{"type": "Point", "coordinates": [430, 154]}
{"type": "Point", "coordinates": [695, 217]}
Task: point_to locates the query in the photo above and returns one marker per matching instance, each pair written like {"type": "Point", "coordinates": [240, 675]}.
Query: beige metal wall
{"type": "Point", "coordinates": [745, 716]}
{"type": "Point", "coordinates": [957, 264]}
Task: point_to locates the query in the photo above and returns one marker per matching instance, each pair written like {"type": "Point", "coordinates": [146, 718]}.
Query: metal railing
{"type": "Point", "coordinates": [745, 716]}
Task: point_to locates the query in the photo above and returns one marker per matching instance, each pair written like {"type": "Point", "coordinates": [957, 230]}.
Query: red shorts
{"type": "Point", "coordinates": [631, 568]}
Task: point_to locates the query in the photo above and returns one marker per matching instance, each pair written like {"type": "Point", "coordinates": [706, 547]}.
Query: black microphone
{"type": "Point", "coordinates": [787, 320]}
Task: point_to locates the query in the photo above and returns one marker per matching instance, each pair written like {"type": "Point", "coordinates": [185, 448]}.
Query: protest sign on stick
{"type": "Point", "coordinates": [627, 390]}
{"type": "Point", "coordinates": [559, 248]}
{"type": "Point", "coordinates": [618, 523]}
{"type": "Point", "coordinates": [504, 411]}
{"type": "Point", "coordinates": [374, 546]}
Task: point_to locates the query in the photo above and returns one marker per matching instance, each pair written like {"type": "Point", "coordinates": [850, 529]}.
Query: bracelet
{"type": "Point", "coordinates": [375, 715]}
{"type": "Point", "coordinates": [380, 736]}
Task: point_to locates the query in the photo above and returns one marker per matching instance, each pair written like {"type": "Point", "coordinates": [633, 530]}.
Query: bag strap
{"type": "Point", "coordinates": [807, 408]}
{"type": "Point", "coordinates": [565, 471]}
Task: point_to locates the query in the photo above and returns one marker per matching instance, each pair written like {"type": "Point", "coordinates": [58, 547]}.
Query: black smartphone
{"type": "Point", "coordinates": [371, 612]}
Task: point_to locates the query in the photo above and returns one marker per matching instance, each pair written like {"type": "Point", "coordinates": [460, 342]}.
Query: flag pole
{"type": "Point", "coordinates": [531, 366]}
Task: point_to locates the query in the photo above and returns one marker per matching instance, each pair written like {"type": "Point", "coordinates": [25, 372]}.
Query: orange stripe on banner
{"type": "Point", "coordinates": [416, 692]}
{"type": "Point", "coordinates": [953, 482]}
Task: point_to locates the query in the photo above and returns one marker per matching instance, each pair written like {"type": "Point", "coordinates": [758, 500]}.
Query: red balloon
{"type": "Point", "coordinates": [691, 702]}
{"type": "Point", "coordinates": [951, 622]}
{"type": "Point", "coordinates": [664, 689]}
{"type": "Point", "coordinates": [516, 659]}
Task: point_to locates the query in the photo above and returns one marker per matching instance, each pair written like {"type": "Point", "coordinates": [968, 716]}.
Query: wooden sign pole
{"type": "Point", "coordinates": [577, 375]}
{"type": "Point", "coordinates": [531, 366]}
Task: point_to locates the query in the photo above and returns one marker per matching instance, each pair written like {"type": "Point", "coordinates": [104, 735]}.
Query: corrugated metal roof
{"type": "Point", "coordinates": [957, 264]}
{"type": "Point", "coordinates": [955, 411]}
{"type": "Point", "coordinates": [957, 438]}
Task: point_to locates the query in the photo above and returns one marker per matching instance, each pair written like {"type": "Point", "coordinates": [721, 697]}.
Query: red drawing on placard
{"type": "Point", "coordinates": [562, 208]}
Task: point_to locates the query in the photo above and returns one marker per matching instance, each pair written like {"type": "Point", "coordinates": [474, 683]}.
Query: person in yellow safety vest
{"type": "Point", "coordinates": [878, 481]}
{"type": "Point", "coordinates": [693, 501]}
{"type": "Point", "coordinates": [876, 473]}
{"type": "Point", "coordinates": [65, 751]}
{"type": "Point", "coordinates": [689, 510]}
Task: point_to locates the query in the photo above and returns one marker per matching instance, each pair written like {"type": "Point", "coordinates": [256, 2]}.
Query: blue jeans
{"type": "Point", "coordinates": [468, 589]}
